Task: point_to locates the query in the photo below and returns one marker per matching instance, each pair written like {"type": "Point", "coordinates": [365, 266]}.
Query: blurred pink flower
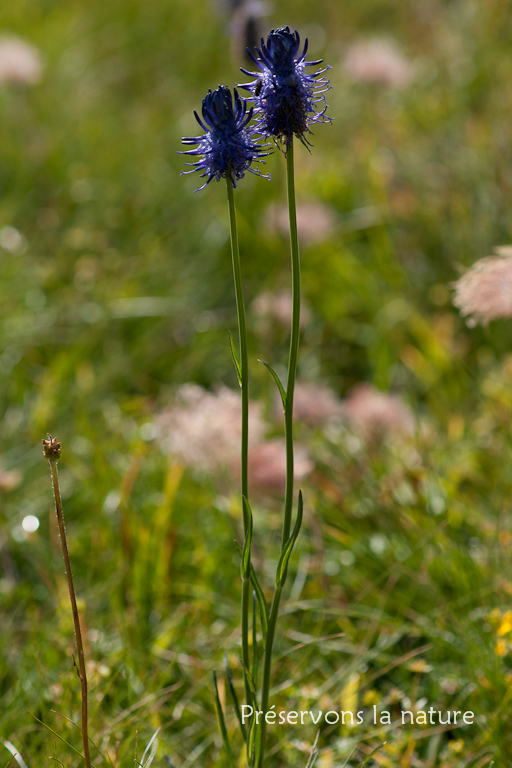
{"type": "Point", "coordinates": [313, 404]}
{"type": "Point", "coordinates": [377, 61]}
{"type": "Point", "coordinates": [279, 307]}
{"type": "Point", "coordinates": [9, 479]}
{"type": "Point", "coordinates": [267, 466]}
{"type": "Point", "coordinates": [203, 429]}
{"type": "Point", "coordinates": [315, 221]}
{"type": "Point", "coordinates": [485, 291]}
{"type": "Point", "coordinates": [373, 414]}
{"type": "Point", "coordinates": [20, 62]}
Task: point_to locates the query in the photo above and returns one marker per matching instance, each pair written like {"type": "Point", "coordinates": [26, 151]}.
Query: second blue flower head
{"type": "Point", "coordinates": [228, 148]}
{"type": "Point", "coordinates": [284, 94]}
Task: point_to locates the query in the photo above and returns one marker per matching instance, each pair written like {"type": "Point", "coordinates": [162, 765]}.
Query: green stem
{"type": "Point", "coordinates": [294, 345]}
{"type": "Point", "coordinates": [288, 427]}
{"type": "Point", "coordinates": [74, 609]}
{"type": "Point", "coordinates": [244, 384]}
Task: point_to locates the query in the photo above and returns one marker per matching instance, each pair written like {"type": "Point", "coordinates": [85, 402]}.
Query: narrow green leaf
{"type": "Point", "coordinates": [371, 754]}
{"type": "Point", "coordinates": [236, 361]}
{"type": "Point", "coordinates": [288, 547]}
{"type": "Point", "coordinates": [252, 688]}
{"type": "Point", "coordinates": [348, 759]}
{"type": "Point", "coordinates": [253, 741]}
{"type": "Point", "coordinates": [262, 603]}
{"type": "Point", "coordinates": [255, 658]}
{"type": "Point", "coordinates": [277, 381]}
{"type": "Point", "coordinates": [222, 725]}
{"type": "Point", "coordinates": [229, 676]}
{"type": "Point", "coordinates": [246, 552]}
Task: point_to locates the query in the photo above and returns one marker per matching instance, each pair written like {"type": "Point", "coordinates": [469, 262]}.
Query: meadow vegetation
{"type": "Point", "coordinates": [116, 296]}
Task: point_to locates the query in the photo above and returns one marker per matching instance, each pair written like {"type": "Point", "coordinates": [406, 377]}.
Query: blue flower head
{"type": "Point", "coordinates": [284, 94]}
{"type": "Point", "coordinates": [228, 148]}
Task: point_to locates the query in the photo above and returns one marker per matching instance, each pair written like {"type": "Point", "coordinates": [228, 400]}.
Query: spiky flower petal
{"type": "Point", "coordinates": [228, 148]}
{"type": "Point", "coordinates": [284, 95]}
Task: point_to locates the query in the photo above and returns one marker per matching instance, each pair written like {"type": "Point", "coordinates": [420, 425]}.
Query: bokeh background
{"type": "Point", "coordinates": [116, 291]}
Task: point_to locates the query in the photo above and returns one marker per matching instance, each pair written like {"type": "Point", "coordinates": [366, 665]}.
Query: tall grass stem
{"type": "Point", "coordinates": [51, 450]}
{"type": "Point", "coordinates": [244, 385]}
{"type": "Point", "coordinates": [288, 426]}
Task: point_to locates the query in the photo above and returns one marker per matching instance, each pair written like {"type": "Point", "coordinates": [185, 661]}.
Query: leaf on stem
{"type": "Point", "coordinates": [222, 725]}
{"type": "Point", "coordinates": [236, 361]}
{"type": "Point", "coordinates": [288, 547]}
{"type": "Point", "coordinates": [231, 687]}
{"type": "Point", "coordinates": [246, 551]}
{"type": "Point", "coordinates": [255, 658]}
{"type": "Point", "coordinates": [277, 381]}
{"type": "Point", "coordinates": [262, 602]}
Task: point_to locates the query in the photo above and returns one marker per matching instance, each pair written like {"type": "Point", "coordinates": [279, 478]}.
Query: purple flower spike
{"type": "Point", "coordinates": [284, 95]}
{"type": "Point", "coordinates": [227, 148]}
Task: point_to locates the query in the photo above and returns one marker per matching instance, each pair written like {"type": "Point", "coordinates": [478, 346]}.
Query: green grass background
{"type": "Point", "coordinates": [122, 290]}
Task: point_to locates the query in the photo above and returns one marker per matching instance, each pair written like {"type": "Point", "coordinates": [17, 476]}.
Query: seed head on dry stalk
{"type": "Point", "coordinates": [51, 451]}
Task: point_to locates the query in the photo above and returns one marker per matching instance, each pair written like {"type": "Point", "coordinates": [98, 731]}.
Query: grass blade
{"type": "Point", "coordinates": [314, 752]}
{"type": "Point", "coordinates": [222, 725]}
{"type": "Point", "coordinates": [371, 754]}
{"type": "Point", "coordinates": [229, 676]}
{"type": "Point", "coordinates": [56, 734]}
{"type": "Point", "coordinates": [15, 755]}
{"type": "Point", "coordinates": [153, 748]}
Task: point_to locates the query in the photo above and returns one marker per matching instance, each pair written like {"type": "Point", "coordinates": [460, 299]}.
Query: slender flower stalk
{"type": "Point", "coordinates": [226, 151]}
{"type": "Point", "coordinates": [244, 386]}
{"type": "Point", "coordinates": [288, 426]}
{"type": "Point", "coordinates": [51, 451]}
{"type": "Point", "coordinates": [285, 99]}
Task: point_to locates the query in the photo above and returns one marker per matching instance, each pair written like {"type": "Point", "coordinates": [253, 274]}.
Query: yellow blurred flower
{"type": "Point", "coordinates": [506, 624]}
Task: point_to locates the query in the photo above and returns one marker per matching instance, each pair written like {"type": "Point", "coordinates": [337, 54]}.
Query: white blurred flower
{"type": "Point", "coordinates": [485, 291]}
{"type": "Point", "coordinates": [377, 61]}
{"type": "Point", "coordinates": [203, 429]}
{"type": "Point", "coordinates": [20, 62]}
{"type": "Point", "coordinates": [267, 466]}
{"type": "Point", "coordinates": [372, 414]}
